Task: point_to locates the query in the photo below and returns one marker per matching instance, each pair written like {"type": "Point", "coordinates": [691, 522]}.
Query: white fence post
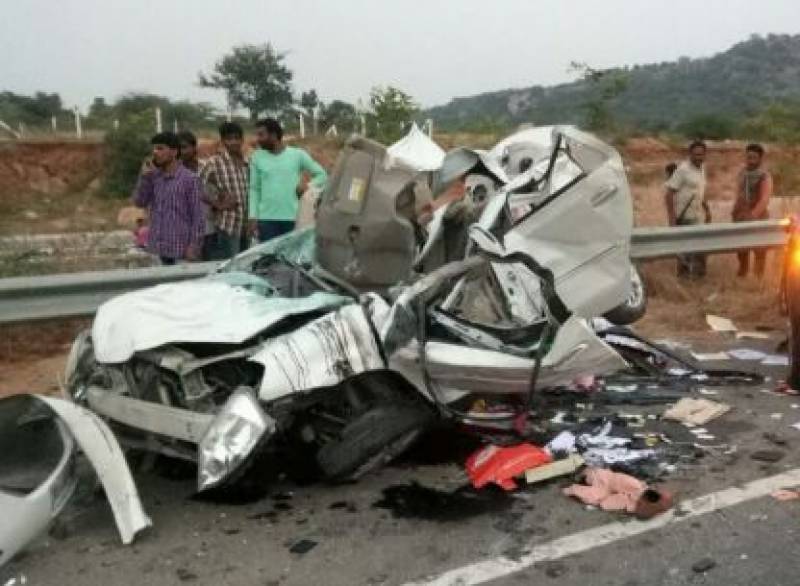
{"type": "Point", "coordinates": [158, 119]}
{"type": "Point", "coordinates": [116, 123]}
{"type": "Point", "coordinates": [78, 128]}
{"type": "Point", "coordinates": [302, 126]}
{"type": "Point", "coordinates": [429, 127]}
{"type": "Point", "coordinates": [54, 123]}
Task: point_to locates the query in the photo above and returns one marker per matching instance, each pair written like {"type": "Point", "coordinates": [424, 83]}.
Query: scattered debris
{"type": "Point", "coordinates": [710, 356]}
{"type": "Point", "coordinates": [185, 575]}
{"type": "Point", "coordinates": [775, 360]}
{"type": "Point", "coordinates": [747, 354]}
{"type": "Point", "coordinates": [776, 439]}
{"type": "Point", "coordinates": [562, 467]}
{"type": "Point", "coordinates": [720, 324]}
{"type": "Point", "coordinates": [414, 501]}
{"type": "Point", "coordinates": [770, 456]}
{"type": "Point", "coordinates": [502, 465]}
{"type": "Point", "coordinates": [703, 565]}
{"type": "Point", "coordinates": [303, 546]}
{"type": "Point", "coordinates": [752, 336]}
{"type": "Point", "coordinates": [696, 411]}
{"type": "Point", "coordinates": [786, 494]}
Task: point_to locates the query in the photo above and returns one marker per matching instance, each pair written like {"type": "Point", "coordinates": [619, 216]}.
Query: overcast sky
{"type": "Point", "coordinates": [433, 49]}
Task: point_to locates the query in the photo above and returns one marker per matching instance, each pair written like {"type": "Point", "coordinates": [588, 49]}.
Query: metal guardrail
{"type": "Point", "coordinates": [80, 294]}
{"type": "Point", "coordinates": [651, 243]}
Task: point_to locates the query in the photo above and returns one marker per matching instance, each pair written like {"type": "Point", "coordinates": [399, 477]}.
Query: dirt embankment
{"type": "Point", "coordinates": [48, 168]}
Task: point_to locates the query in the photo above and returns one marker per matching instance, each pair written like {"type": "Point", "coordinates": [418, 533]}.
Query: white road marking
{"type": "Point", "coordinates": [492, 569]}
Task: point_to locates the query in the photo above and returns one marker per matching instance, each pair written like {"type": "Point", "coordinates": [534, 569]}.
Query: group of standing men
{"type": "Point", "coordinates": [209, 210]}
{"type": "Point", "coordinates": [687, 204]}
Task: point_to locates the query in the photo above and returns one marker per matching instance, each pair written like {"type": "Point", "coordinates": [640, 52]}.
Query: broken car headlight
{"type": "Point", "coordinates": [231, 438]}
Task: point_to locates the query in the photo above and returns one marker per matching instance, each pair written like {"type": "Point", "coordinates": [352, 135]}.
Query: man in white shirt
{"type": "Point", "coordinates": [685, 199]}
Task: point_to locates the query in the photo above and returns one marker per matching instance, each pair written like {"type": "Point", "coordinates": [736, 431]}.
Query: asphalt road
{"type": "Point", "coordinates": [385, 530]}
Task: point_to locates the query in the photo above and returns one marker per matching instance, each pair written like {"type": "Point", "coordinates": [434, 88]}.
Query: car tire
{"type": "Point", "coordinates": [636, 304]}
{"type": "Point", "coordinates": [373, 439]}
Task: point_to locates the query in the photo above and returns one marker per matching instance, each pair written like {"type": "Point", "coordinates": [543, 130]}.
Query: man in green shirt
{"type": "Point", "coordinates": [276, 173]}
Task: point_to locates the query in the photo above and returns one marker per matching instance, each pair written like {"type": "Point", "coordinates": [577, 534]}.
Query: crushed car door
{"type": "Point", "coordinates": [578, 226]}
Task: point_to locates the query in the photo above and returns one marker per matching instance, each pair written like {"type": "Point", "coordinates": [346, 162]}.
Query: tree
{"type": "Point", "coordinates": [309, 100]}
{"type": "Point", "coordinates": [391, 111]}
{"type": "Point", "coordinates": [253, 77]}
{"type": "Point", "coordinates": [708, 126]}
{"type": "Point", "coordinates": [33, 110]}
{"type": "Point", "coordinates": [777, 122]}
{"type": "Point", "coordinates": [604, 87]}
{"type": "Point", "coordinates": [341, 114]}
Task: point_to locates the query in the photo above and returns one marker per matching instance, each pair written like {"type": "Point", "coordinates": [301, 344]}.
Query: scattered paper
{"type": "Point", "coordinates": [796, 425]}
{"type": "Point", "coordinates": [775, 360]}
{"type": "Point", "coordinates": [747, 354]}
{"type": "Point", "coordinates": [697, 411]}
{"type": "Point", "coordinates": [752, 336]}
{"type": "Point", "coordinates": [708, 356]}
{"type": "Point", "coordinates": [564, 442]}
{"type": "Point", "coordinates": [707, 392]}
{"type": "Point", "coordinates": [720, 324]}
{"type": "Point", "coordinates": [776, 416]}
{"type": "Point", "coordinates": [705, 436]}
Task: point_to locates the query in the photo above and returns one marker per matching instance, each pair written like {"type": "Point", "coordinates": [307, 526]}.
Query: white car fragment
{"type": "Point", "coordinates": [322, 353]}
{"type": "Point", "coordinates": [100, 446]}
{"type": "Point", "coordinates": [37, 475]}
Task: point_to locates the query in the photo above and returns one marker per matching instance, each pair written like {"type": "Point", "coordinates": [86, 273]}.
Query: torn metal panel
{"type": "Point", "coordinates": [320, 354]}
{"type": "Point", "coordinates": [37, 473]}
{"type": "Point", "coordinates": [581, 231]}
{"type": "Point", "coordinates": [172, 422]}
{"type": "Point", "coordinates": [576, 351]}
{"type": "Point", "coordinates": [100, 446]}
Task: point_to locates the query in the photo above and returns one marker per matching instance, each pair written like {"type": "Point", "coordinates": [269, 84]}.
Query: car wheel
{"type": "Point", "coordinates": [636, 304]}
{"type": "Point", "coordinates": [373, 439]}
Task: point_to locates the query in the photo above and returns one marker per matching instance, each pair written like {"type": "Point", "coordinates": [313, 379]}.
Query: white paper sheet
{"type": "Point", "coordinates": [709, 356]}
{"type": "Point", "coordinates": [775, 360]}
{"type": "Point", "coordinates": [720, 324]}
{"type": "Point", "coordinates": [747, 354]}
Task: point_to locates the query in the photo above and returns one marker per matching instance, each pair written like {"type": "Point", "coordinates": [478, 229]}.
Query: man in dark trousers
{"type": "Point", "coordinates": [752, 203]}
{"type": "Point", "coordinates": [685, 199]}
{"type": "Point", "coordinates": [171, 195]}
{"type": "Point", "coordinates": [225, 177]}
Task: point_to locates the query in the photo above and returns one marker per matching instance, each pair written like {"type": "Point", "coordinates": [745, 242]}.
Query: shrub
{"type": "Point", "coordinates": [126, 149]}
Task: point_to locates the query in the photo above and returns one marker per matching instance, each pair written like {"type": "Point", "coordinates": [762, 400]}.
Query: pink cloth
{"type": "Point", "coordinates": [140, 236]}
{"type": "Point", "coordinates": [611, 491]}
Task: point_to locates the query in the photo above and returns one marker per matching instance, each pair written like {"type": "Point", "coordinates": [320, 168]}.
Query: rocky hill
{"type": "Point", "coordinates": [734, 84]}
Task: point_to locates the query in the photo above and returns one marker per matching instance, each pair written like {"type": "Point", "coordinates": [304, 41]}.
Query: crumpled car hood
{"type": "Point", "coordinates": [202, 310]}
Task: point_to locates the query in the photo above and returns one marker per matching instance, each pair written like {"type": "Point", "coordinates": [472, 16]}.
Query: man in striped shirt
{"type": "Point", "coordinates": [224, 178]}
{"type": "Point", "coordinates": [171, 195]}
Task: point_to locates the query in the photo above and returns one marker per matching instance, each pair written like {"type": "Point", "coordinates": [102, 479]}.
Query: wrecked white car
{"type": "Point", "coordinates": [351, 339]}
